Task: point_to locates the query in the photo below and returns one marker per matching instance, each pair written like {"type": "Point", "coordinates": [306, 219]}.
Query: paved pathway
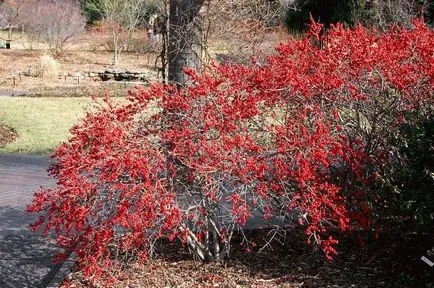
{"type": "Point", "coordinates": [8, 93]}
{"type": "Point", "coordinates": [25, 258]}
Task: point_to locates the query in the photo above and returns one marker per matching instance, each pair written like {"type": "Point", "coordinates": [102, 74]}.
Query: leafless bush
{"type": "Point", "coordinates": [382, 13]}
{"type": "Point", "coordinates": [98, 35]}
{"type": "Point", "coordinates": [49, 66]}
{"type": "Point", "coordinates": [10, 12]}
{"type": "Point", "coordinates": [139, 44]}
{"type": "Point", "coordinates": [242, 25]}
{"type": "Point", "coordinates": [123, 19]}
{"type": "Point", "coordinates": [5, 15]}
{"type": "Point", "coordinates": [54, 22]}
{"type": "Point", "coordinates": [136, 44]}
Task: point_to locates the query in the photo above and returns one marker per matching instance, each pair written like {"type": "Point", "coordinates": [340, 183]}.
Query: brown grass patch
{"type": "Point", "coordinates": [7, 135]}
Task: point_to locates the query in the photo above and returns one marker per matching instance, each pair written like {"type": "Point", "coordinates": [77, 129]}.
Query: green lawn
{"type": "Point", "coordinates": [41, 123]}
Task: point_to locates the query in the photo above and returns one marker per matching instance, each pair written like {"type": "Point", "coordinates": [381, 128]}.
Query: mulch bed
{"type": "Point", "coordinates": [116, 90]}
{"type": "Point", "coordinates": [7, 135]}
{"type": "Point", "coordinates": [389, 261]}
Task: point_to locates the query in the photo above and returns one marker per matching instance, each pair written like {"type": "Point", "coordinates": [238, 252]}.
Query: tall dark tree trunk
{"type": "Point", "coordinates": [185, 38]}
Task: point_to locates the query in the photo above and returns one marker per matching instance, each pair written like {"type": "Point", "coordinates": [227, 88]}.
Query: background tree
{"type": "Point", "coordinates": [53, 22]}
{"type": "Point", "coordinates": [242, 27]}
{"type": "Point", "coordinates": [383, 13]}
{"type": "Point", "coordinates": [193, 23]}
{"type": "Point", "coordinates": [379, 13]}
{"type": "Point", "coordinates": [92, 15]}
{"type": "Point", "coordinates": [10, 12]}
{"type": "Point", "coordinates": [123, 18]}
{"type": "Point", "coordinates": [324, 11]}
{"type": "Point", "coordinates": [185, 35]}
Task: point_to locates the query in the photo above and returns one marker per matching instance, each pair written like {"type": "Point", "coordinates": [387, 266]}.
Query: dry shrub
{"type": "Point", "coordinates": [99, 35]}
{"type": "Point", "coordinates": [49, 66]}
{"type": "Point", "coordinates": [241, 27]}
{"type": "Point", "coordinates": [56, 23]}
{"type": "Point", "coordinates": [140, 43]}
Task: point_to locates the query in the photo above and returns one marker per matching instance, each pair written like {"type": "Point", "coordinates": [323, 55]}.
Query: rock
{"type": "Point", "coordinates": [106, 76]}
{"type": "Point", "coordinates": [112, 71]}
{"type": "Point", "coordinates": [119, 75]}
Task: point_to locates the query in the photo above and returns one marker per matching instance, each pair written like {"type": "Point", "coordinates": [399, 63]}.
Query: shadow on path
{"type": "Point", "coordinates": [25, 257]}
{"type": "Point", "coordinates": [14, 220]}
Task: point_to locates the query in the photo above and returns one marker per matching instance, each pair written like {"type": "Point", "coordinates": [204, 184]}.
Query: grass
{"type": "Point", "coordinates": [41, 123]}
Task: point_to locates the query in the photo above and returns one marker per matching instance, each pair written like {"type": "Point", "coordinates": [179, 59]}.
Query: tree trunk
{"type": "Point", "coordinates": [185, 36]}
{"type": "Point", "coordinates": [116, 52]}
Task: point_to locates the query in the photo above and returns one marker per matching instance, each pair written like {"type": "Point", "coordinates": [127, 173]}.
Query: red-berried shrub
{"type": "Point", "coordinates": [304, 137]}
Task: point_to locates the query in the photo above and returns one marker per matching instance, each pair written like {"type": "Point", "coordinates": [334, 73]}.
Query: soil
{"type": "Point", "coordinates": [389, 261]}
{"type": "Point", "coordinates": [21, 70]}
{"type": "Point", "coordinates": [7, 135]}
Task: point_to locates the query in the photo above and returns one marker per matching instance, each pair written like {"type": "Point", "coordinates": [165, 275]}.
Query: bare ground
{"type": "Point", "coordinates": [21, 69]}
{"type": "Point", "coordinates": [389, 261]}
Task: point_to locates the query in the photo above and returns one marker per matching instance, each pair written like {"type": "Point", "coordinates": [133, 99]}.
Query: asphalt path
{"type": "Point", "coordinates": [25, 257]}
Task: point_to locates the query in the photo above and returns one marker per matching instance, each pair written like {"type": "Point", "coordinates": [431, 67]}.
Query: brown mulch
{"type": "Point", "coordinates": [389, 261]}
{"type": "Point", "coordinates": [7, 135]}
{"type": "Point", "coordinates": [116, 90]}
